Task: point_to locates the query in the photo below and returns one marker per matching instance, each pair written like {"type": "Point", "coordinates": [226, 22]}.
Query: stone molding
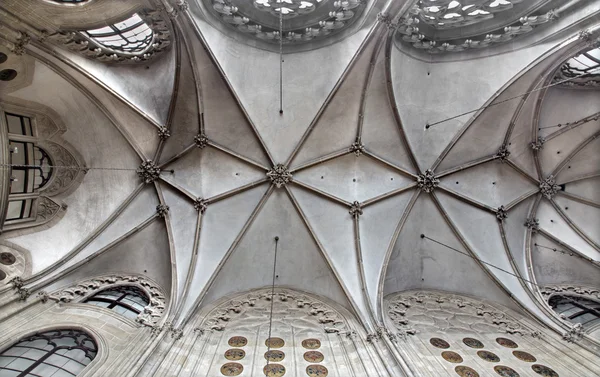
{"type": "Point", "coordinates": [149, 317]}
{"type": "Point", "coordinates": [309, 308]}
{"type": "Point", "coordinates": [422, 311]}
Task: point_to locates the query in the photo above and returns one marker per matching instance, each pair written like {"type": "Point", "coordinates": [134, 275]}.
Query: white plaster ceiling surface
{"type": "Point", "coordinates": [357, 203]}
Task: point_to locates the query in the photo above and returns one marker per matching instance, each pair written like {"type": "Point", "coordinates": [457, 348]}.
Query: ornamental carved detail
{"type": "Point", "coordinates": [356, 209]}
{"type": "Point", "coordinates": [46, 209]}
{"type": "Point", "coordinates": [148, 171]}
{"type": "Point", "coordinates": [357, 148]}
{"type": "Point", "coordinates": [78, 42]}
{"type": "Point", "coordinates": [66, 168]}
{"type": "Point", "coordinates": [427, 181]}
{"type": "Point", "coordinates": [433, 312]}
{"type": "Point", "coordinates": [201, 140]}
{"type": "Point", "coordinates": [296, 305]}
{"type": "Point", "coordinates": [574, 290]}
{"type": "Point", "coordinates": [538, 144]}
{"type": "Point", "coordinates": [533, 224]}
{"type": "Point", "coordinates": [503, 153]}
{"type": "Point", "coordinates": [148, 317]}
{"type": "Point", "coordinates": [162, 210]}
{"type": "Point", "coordinates": [163, 133]}
{"type": "Point", "coordinates": [548, 187]}
{"type": "Point", "coordinates": [200, 205]}
{"type": "Point", "coordinates": [501, 213]}
{"type": "Point", "coordinates": [280, 175]}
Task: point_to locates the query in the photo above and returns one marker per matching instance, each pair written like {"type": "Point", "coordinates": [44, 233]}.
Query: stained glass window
{"type": "Point", "coordinates": [61, 353]}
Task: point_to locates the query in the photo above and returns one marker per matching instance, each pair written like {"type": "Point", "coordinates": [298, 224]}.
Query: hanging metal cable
{"type": "Point", "coordinates": [428, 125]}
{"type": "Point", "coordinates": [272, 302]}
{"type": "Point", "coordinates": [280, 57]}
{"type": "Point", "coordinates": [61, 167]}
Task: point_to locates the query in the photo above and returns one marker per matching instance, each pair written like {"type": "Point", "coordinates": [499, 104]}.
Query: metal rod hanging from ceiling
{"type": "Point", "coordinates": [268, 354]}
{"type": "Point", "coordinates": [280, 57]}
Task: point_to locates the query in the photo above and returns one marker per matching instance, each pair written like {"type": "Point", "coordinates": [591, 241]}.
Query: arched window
{"type": "Point", "coordinates": [576, 309]}
{"type": "Point", "coordinates": [132, 35]}
{"type": "Point", "coordinates": [581, 70]}
{"type": "Point", "coordinates": [126, 300]}
{"type": "Point", "coordinates": [61, 353]}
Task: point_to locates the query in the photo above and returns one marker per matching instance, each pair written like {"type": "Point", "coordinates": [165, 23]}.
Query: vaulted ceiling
{"type": "Point", "coordinates": [380, 149]}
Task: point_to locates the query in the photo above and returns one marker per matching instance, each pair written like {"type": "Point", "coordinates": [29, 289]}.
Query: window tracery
{"type": "Point", "coordinates": [126, 300]}
{"type": "Point", "coordinates": [439, 26]}
{"type": "Point", "coordinates": [582, 71]}
{"type": "Point", "coordinates": [579, 306]}
{"type": "Point", "coordinates": [52, 353]}
{"type": "Point", "coordinates": [138, 38]}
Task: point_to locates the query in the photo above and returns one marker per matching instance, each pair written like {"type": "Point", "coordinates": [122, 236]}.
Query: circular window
{"type": "Point", "coordinates": [311, 344]}
{"type": "Point", "coordinates": [473, 343]}
{"type": "Point", "coordinates": [464, 371]}
{"type": "Point", "coordinates": [2, 275]}
{"type": "Point", "coordinates": [488, 356]}
{"type": "Point", "coordinates": [7, 259]}
{"type": "Point", "coordinates": [274, 343]}
{"type": "Point", "coordinates": [544, 370]}
{"type": "Point", "coordinates": [237, 341]}
{"type": "Point", "coordinates": [274, 355]}
{"type": "Point", "coordinates": [235, 354]}
{"type": "Point", "coordinates": [506, 343]}
{"type": "Point", "coordinates": [8, 74]}
{"type": "Point", "coordinates": [505, 371]}
{"type": "Point", "coordinates": [452, 357]}
{"type": "Point", "coordinates": [316, 371]}
{"type": "Point", "coordinates": [3, 57]}
{"type": "Point", "coordinates": [274, 370]}
{"type": "Point", "coordinates": [439, 343]}
{"type": "Point", "coordinates": [313, 356]}
{"type": "Point", "coordinates": [232, 369]}
{"type": "Point", "coordinates": [524, 356]}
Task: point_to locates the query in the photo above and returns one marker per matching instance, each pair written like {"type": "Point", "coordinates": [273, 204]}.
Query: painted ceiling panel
{"type": "Point", "coordinates": [492, 183]}
{"type": "Point", "coordinates": [207, 172]}
{"type": "Point", "coordinates": [334, 229]}
{"type": "Point", "coordinates": [553, 223]}
{"type": "Point", "coordinates": [337, 127]}
{"type": "Point", "coordinates": [555, 267]}
{"type": "Point", "coordinates": [481, 231]}
{"type": "Point", "coordinates": [353, 178]}
{"type": "Point", "coordinates": [300, 263]}
{"type": "Point", "coordinates": [183, 221]}
{"type": "Point", "coordinates": [381, 133]}
{"type": "Point", "coordinates": [418, 263]}
{"type": "Point", "coordinates": [259, 93]}
{"type": "Point", "coordinates": [222, 223]}
{"type": "Point", "coordinates": [378, 225]}
{"type": "Point", "coordinates": [224, 121]}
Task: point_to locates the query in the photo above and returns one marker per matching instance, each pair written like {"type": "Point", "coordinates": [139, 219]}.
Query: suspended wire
{"type": "Point", "coordinates": [280, 57]}
{"type": "Point", "coordinates": [428, 125]}
{"type": "Point", "coordinates": [479, 260]}
{"type": "Point", "coordinates": [272, 302]}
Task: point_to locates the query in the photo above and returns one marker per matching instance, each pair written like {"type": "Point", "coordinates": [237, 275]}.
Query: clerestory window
{"type": "Point", "coordinates": [63, 353]}
{"type": "Point", "coordinates": [126, 300]}
{"type": "Point", "coordinates": [132, 35]}
{"type": "Point", "coordinates": [576, 309]}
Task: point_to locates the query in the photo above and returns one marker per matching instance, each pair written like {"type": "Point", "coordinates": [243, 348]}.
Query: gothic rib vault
{"type": "Point", "coordinates": [348, 178]}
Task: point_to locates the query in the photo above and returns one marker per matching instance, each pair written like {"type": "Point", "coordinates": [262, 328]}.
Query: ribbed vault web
{"type": "Point", "coordinates": [349, 194]}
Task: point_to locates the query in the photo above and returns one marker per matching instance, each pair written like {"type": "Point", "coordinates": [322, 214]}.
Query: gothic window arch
{"type": "Point", "coordinates": [129, 301]}
{"type": "Point", "coordinates": [64, 352]}
{"type": "Point", "coordinates": [137, 37]}
{"type": "Point", "coordinates": [582, 70]}
{"type": "Point", "coordinates": [576, 309]}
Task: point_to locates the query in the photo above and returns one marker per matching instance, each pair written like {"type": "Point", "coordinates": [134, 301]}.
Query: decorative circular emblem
{"type": "Point", "coordinates": [274, 370]}
{"type": "Point", "coordinates": [311, 344]}
{"type": "Point", "coordinates": [439, 343]}
{"type": "Point", "coordinates": [544, 370]}
{"type": "Point", "coordinates": [235, 354]}
{"type": "Point", "coordinates": [452, 357]}
{"type": "Point", "coordinates": [524, 356]}
{"type": "Point", "coordinates": [506, 343]}
{"type": "Point", "coordinates": [237, 341]}
{"type": "Point", "coordinates": [316, 370]}
{"type": "Point", "coordinates": [464, 371]}
{"type": "Point", "coordinates": [473, 343]}
{"type": "Point", "coordinates": [8, 74]}
{"type": "Point", "coordinates": [274, 355]}
{"type": "Point", "coordinates": [313, 356]}
{"type": "Point", "coordinates": [274, 343]}
{"type": "Point", "coordinates": [7, 259]}
{"type": "Point", "coordinates": [488, 356]}
{"type": "Point", "coordinates": [232, 369]}
{"type": "Point", "coordinates": [506, 371]}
